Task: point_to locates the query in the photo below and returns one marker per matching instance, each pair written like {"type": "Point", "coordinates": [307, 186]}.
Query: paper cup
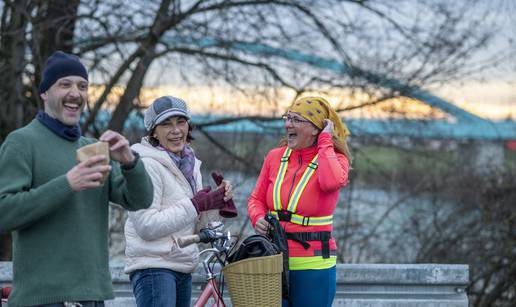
{"type": "Point", "coordinates": [99, 148]}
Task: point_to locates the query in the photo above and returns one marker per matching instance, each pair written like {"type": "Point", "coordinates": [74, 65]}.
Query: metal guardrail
{"type": "Point", "coordinates": [358, 285]}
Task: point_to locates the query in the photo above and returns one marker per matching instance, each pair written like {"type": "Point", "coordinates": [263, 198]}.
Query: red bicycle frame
{"type": "Point", "coordinates": [220, 246]}
{"type": "Point", "coordinates": [4, 293]}
{"type": "Point", "coordinates": [211, 290]}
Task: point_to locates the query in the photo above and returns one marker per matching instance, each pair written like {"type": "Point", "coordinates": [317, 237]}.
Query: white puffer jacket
{"type": "Point", "coordinates": [150, 233]}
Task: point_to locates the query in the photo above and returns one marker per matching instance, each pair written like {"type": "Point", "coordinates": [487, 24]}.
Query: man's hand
{"type": "Point", "coordinates": [118, 147]}
{"type": "Point", "coordinates": [87, 174]}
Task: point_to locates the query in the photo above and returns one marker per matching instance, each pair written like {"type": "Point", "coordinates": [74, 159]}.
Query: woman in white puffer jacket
{"type": "Point", "coordinates": [160, 271]}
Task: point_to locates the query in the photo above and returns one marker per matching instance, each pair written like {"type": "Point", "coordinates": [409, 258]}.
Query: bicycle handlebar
{"type": "Point", "coordinates": [220, 244]}
{"type": "Point", "coordinates": [206, 235]}
{"type": "Point", "coordinates": [187, 240]}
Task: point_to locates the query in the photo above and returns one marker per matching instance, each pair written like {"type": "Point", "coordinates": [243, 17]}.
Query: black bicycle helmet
{"type": "Point", "coordinates": [254, 246]}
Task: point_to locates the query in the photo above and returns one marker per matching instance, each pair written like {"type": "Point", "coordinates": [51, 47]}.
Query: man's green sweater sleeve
{"type": "Point", "coordinates": [21, 204]}
{"type": "Point", "coordinates": [132, 188]}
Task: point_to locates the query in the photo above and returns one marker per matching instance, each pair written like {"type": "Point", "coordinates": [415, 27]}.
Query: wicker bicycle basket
{"type": "Point", "coordinates": [255, 281]}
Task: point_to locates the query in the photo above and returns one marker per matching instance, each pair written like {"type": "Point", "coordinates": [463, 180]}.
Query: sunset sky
{"type": "Point", "coordinates": [494, 100]}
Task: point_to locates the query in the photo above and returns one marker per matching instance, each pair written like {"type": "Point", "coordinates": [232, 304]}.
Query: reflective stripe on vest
{"type": "Point", "coordinates": [279, 179]}
{"type": "Point", "coordinates": [308, 220]}
{"type": "Point", "coordinates": [292, 204]}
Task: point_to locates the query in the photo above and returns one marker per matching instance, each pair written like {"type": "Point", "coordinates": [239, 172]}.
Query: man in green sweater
{"type": "Point", "coordinates": [56, 208]}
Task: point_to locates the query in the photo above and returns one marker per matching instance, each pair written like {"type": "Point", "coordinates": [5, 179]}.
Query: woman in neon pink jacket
{"type": "Point", "coordinates": [299, 184]}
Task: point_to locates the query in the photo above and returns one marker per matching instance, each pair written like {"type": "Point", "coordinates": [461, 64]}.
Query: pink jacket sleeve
{"type": "Point", "coordinates": [333, 167]}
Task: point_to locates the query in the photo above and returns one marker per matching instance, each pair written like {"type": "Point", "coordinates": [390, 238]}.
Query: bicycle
{"type": "Point", "coordinates": [221, 246]}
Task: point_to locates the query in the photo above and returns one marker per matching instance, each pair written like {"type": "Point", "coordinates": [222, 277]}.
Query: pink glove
{"type": "Point", "coordinates": [228, 210]}
{"type": "Point", "coordinates": [206, 199]}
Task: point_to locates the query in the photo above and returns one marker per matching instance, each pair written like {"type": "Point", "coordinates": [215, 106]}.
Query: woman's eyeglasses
{"type": "Point", "coordinates": [293, 119]}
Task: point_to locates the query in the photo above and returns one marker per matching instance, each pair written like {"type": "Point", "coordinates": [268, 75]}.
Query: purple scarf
{"type": "Point", "coordinates": [185, 164]}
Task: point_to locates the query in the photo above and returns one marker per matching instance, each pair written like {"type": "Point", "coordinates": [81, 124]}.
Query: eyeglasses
{"type": "Point", "coordinates": [294, 120]}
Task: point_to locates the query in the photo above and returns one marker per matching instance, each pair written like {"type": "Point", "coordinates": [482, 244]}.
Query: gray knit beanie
{"type": "Point", "coordinates": [163, 108]}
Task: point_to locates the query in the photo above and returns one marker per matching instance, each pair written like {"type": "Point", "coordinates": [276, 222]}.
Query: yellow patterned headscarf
{"type": "Point", "coordinates": [316, 110]}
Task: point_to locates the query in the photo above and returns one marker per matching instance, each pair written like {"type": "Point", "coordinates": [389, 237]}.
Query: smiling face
{"type": "Point", "coordinates": [66, 99]}
{"type": "Point", "coordinates": [301, 133]}
{"type": "Point", "coordinates": [172, 134]}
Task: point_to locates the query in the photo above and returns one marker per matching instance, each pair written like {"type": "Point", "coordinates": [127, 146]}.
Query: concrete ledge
{"type": "Point", "coordinates": [358, 285]}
